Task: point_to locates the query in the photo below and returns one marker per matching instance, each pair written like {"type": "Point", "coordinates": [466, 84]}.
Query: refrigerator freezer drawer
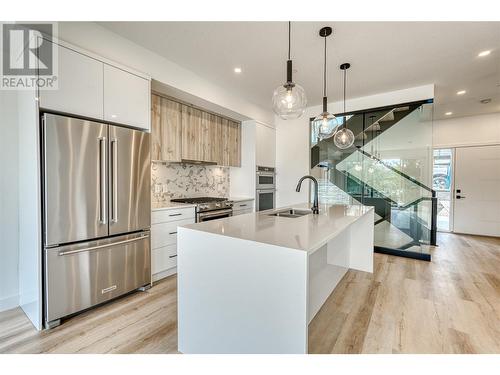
{"type": "Point", "coordinates": [83, 275]}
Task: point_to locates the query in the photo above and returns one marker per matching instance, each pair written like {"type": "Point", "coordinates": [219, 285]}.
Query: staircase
{"type": "Point", "coordinates": [388, 167]}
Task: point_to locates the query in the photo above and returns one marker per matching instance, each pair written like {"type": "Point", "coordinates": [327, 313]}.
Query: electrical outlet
{"type": "Point", "coordinates": [165, 188]}
{"type": "Point", "coordinates": [157, 189]}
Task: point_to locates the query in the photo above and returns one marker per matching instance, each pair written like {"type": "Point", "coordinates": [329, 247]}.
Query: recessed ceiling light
{"type": "Point", "coordinates": [461, 92]}
{"type": "Point", "coordinates": [448, 113]}
{"type": "Point", "coordinates": [484, 53]}
{"type": "Point", "coordinates": [237, 70]}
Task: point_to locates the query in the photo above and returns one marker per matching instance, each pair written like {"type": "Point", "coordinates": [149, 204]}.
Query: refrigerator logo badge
{"type": "Point", "coordinates": [28, 59]}
{"type": "Point", "coordinates": [108, 289]}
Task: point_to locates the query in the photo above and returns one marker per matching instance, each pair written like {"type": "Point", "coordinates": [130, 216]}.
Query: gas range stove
{"type": "Point", "coordinates": [206, 203]}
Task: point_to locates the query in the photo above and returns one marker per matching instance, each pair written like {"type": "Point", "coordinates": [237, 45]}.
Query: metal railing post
{"type": "Point", "coordinates": [434, 219]}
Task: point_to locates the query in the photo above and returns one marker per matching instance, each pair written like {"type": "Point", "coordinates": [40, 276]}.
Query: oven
{"type": "Point", "coordinates": [265, 199]}
{"type": "Point", "coordinates": [213, 215]}
{"type": "Point", "coordinates": [266, 178]}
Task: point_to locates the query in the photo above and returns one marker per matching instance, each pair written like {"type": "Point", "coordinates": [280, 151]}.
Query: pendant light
{"type": "Point", "coordinates": [289, 99]}
{"type": "Point", "coordinates": [325, 123]}
{"type": "Point", "coordinates": [344, 138]}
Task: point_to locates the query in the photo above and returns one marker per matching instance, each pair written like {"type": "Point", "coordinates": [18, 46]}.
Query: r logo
{"type": "Point", "coordinates": [25, 52]}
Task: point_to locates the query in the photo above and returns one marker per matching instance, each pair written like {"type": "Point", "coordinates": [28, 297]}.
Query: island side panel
{"type": "Point", "coordinates": [361, 246]}
{"type": "Point", "coordinates": [240, 296]}
{"type": "Point", "coordinates": [327, 266]}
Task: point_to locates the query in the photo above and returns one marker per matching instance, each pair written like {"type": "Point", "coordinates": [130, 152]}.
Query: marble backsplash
{"type": "Point", "coordinates": [173, 180]}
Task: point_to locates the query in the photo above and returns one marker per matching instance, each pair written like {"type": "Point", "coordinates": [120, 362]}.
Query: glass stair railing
{"type": "Point", "coordinates": [403, 206]}
{"type": "Point", "coordinates": [388, 167]}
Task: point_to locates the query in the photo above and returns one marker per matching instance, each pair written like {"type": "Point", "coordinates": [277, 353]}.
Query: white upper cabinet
{"type": "Point", "coordinates": [80, 85]}
{"type": "Point", "coordinates": [90, 87]}
{"type": "Point", "coordinates": [265, 153]}
{"type": "Point", "coordinates": [126, 98]}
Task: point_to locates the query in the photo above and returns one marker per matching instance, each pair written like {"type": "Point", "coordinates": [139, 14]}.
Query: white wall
{"type": "Point", "coordinates": [9, 286]}
{"type": "Point", "coordinates": [103, 42]}
{"type": "Point", "coordinates": [467, 131]}
{"type": "Point", "coordinates": [292, 138]}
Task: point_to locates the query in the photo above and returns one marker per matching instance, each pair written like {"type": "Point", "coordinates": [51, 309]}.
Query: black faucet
{"type": "Point", "coordinates": [315, 207]}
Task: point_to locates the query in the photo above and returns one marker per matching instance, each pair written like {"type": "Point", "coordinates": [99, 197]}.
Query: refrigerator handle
{"type": "Point", "coordinates": [98, 247]}
{"type": "Point", "coordinates": [102, 180]}
{"type": "Point", "coordinates": [114, 180]}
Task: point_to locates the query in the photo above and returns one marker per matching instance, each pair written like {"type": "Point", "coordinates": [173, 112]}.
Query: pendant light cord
{"type": "Point", "coordinates": [324, 72]}
{"type": "Point", "coordinates": [289, 38]}
{"type": "Point", "coordinates": [345, 72]}
{"type": "Point", "coordinates": [345, 117]}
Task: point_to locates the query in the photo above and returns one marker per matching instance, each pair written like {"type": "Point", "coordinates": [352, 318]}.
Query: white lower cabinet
{"type": "Point", "coordinates": [243, 207]}
{"type": "Point", "coordinates": [164, 234]}
{"type": "Point", "coordinates": [241, 212]}
{"type": "Point", "coordinates": [164, 258]}
{"type": "Point", "coordinates": [164, 239]}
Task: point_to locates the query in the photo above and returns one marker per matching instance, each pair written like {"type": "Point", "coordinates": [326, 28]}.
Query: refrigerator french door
{"type": "Point", "coordinates": [96, 184]}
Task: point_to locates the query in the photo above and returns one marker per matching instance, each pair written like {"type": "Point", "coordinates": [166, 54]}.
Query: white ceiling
{"type": "Point", "coordinates": [384, 56]}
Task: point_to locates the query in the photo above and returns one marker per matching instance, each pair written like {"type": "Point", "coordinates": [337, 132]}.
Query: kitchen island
{"type": "Point", "coordinates": [252, 283]}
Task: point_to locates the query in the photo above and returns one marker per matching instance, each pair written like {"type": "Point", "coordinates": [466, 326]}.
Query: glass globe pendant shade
{"type": "Point", "coordinates": [289, 101]}
{"type": "Point", "coordinates": [326, 125]}
{"type": "Point", "coordinates": [344, 138]}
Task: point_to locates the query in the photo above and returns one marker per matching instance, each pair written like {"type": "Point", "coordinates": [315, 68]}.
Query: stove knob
{"type": "Point", "coordinates": [203, 206]}
{"type": "Point", "coordinates": [217, 205]}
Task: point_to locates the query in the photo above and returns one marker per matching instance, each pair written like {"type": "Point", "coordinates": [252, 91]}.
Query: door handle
{"type": "Point", "coordinates": [114, 180]}
{"type": "Point", "coordinates": [102, 180]}
{"type": "Point", "coordinates": [460, 197]}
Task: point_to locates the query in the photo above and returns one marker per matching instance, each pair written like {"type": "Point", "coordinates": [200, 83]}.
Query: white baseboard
{"type": "Point", "coordinates": [163, 274]}
{"type": "Point", "coordinates": [8, 303]}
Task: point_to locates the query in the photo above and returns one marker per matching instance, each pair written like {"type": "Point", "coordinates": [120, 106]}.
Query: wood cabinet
{"type": "Point", "coordinates": [193, 137]}
{"type": "Point", "coordinates": [183, 133]}
{"type": "Point", "coordinates": [166, 120]}
{"type": "Point", "coordinates": [215, 139]}
{"type": "Point", "coordinates": [231, 143]}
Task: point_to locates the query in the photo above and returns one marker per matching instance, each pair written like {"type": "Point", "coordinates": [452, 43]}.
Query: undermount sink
{"type": "Point", "coordinates": [292, 212]}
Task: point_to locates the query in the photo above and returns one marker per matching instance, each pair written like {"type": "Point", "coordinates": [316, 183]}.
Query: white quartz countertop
{"type": "Point", "coordinates": [307, 233]}
{"type": "Point", "coordinates": [240, 199]}
{"type": "Point", "coordinates": [167, 205]}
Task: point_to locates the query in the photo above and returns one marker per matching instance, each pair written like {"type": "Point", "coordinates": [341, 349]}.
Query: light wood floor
{"type": "Point", "coordinates": [451, 305]}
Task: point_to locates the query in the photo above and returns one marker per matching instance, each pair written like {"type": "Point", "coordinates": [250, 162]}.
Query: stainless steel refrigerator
{"type": "Point", "coordinates": [96, 213]}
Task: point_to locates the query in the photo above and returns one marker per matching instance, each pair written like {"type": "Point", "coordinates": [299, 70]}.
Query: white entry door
{"type": "Point", "coordinates": [477, 190]}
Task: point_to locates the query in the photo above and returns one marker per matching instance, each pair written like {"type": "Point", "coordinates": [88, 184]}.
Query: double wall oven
{"type": "Point", "coordinates": [265, 197]}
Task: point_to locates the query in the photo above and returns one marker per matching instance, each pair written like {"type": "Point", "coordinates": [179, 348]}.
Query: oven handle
{"type": "Point", "coordinates": [202, 215]}
{"type": "Point", "coordinates": [265, 190]}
